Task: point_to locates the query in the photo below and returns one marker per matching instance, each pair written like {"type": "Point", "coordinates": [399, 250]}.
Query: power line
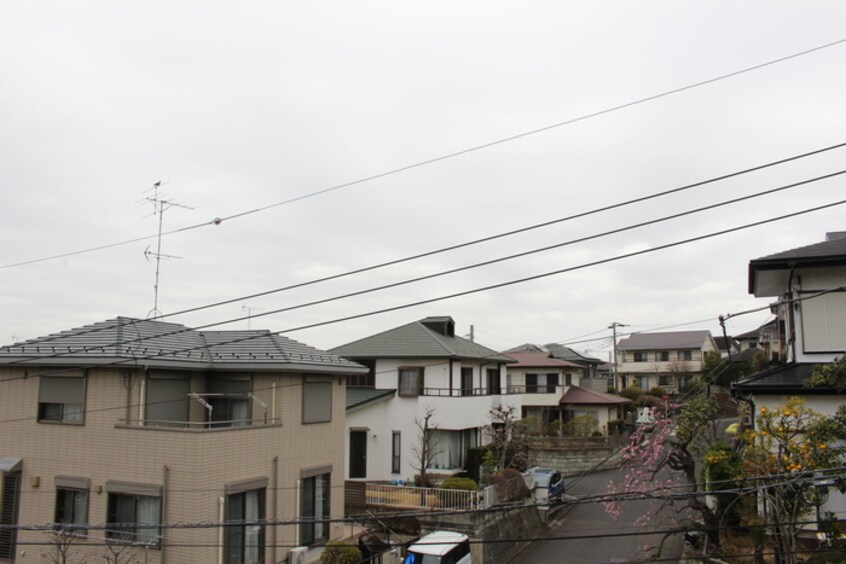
{"type": "Point", "coordinates": [466, 267]}
{"type": "Point", "coordinates": [474, 290]}
{"type": "Point", "coordinates": [419, 164]}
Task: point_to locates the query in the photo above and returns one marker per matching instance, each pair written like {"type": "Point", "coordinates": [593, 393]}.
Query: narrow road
{"type": "Point", "coordinates": [590, 519]}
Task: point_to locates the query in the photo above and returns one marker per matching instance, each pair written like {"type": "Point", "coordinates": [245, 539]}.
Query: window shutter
{"type": "Point", "coordinates": [62, 389]}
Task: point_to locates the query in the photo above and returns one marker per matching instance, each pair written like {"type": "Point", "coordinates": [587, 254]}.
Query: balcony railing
{"type": "Point", "coordinates": [198, 425]}
{"type": "Point", "coordinates": [463, 392]}
{"type": "Point", "coordinates": [536, 389]}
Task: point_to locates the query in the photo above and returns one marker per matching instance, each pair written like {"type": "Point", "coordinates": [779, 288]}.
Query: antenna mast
{"type": "Point", "coordinates": [160, 205]}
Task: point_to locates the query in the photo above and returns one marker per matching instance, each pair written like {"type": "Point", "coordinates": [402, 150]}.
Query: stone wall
{"type": "Point", "coordinates": [571, 462]}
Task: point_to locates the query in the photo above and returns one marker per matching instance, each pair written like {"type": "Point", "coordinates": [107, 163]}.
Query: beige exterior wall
{"type": "Point", "coordinates": [192, 466]}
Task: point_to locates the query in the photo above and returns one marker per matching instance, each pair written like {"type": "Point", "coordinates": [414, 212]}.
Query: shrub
{"type": "Point", "coordinates": [632, 392]}
{"type": "Point", "coordinates": [460, 484]}
{"type": "Point", "coordinates": [337, 552]}
{"type": "Point", "coordinates": [615, 426]}
{"type": "Point", "coordinates": [534, 426]}
{"type": "Point", "coordinates": [649, 401]}
{"type": "Point", "coordinates": [657, 391]}
{"type": "Point", "coordinates": [581, 426]}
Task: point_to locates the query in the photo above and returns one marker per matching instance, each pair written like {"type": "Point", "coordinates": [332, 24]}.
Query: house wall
{"type": "Point", "coordinates": [451, 413]}
{"type": "Point", "coordinates": [516, 382]}
{"type": "Point", "coordinates": [193, 467]}
{"type": "Point", "coordinates": [820, 322]}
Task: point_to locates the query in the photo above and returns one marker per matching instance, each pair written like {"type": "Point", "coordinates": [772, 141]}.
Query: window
{"type": "Point", "coordinates": [662, 356]}
{"type": "Point", "coordinates": [410, 381]}
{"type": "Point", "coordinates": [449, 447]}
{"type": "Point", "coordinates": [541, 383]}
{"type": "Point", "coordinates": [317, 399]}
{"type": "Point", "coordinates": [133, 514]}
{"type": "Point", "coordinates": [568, 379]}
{"type": "Point", "coordinates": [665, 380]}
{"type": "Point", "coordinates": [466, 381]}
{"type": "Point", "coordinates": [315, 507]}
{"type": "Point", "coordinates": [494, 382]}
{"type": "Point", "coordinates": [229, 396]}
{"type": "Point", "coordinates": [640, 357]}
{"type": "Point", "coordinates": [244, 542]}
{"type": "Point", "coordinates": [396, 443]}
{"type": "Point", "coordinates": [685, 355]}
{"type": "Point", "coordinates": [363, 380]}
{"type": "Point", "coordinates": [61, 399]}
{"type": "Point", "coordinates": [167, 399]}
{"type": "Point", "coordinates": [72, 503]}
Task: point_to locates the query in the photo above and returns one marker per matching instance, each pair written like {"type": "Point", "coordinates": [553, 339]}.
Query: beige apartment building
{"type": "Point", "coordinates": [157, 442]}
{"type": "Point", "coordinates": [666, 360]}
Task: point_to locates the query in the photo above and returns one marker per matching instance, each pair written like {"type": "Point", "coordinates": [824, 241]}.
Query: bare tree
{"type": "Point", "coordinates": [115, 553]}
{"type": "Point", "coordinates": [59, 551]}
{"type": "Point", "coordinates": [426, 448]}
{"type": "Point", "coordinates": [509, 438]}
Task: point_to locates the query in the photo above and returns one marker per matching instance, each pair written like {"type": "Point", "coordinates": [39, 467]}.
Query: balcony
{"type": "Point", "coordinates": [462, 392]}
{"type": "Point", "coordinates": [205, 412]}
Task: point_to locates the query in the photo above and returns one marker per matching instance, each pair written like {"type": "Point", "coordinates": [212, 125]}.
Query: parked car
{"type": "Point", "coordinates": [549, 485]}
{"type": "Point", "coordinates": [440, 547]}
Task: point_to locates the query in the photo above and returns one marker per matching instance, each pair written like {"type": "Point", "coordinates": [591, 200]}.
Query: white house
{"type": "Point", "coordinates": [663, 359]}
{"type": "Point", "coordinates": [414, 368]}
{"type": "Point", "coordinates": [810, 286]}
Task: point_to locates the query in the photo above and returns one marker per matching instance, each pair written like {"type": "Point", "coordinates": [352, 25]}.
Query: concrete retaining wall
{"type": "Point", "coordinates": [571, 462]}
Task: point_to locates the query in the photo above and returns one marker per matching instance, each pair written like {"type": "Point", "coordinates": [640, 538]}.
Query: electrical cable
{"type": "Point", "coordinates": [419, 164]}
{"type": "Point", "coordinates": [467, 292]}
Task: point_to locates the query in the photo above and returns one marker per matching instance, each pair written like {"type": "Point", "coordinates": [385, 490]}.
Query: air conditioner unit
{"type": "Point", "coordinates": [297, 555]}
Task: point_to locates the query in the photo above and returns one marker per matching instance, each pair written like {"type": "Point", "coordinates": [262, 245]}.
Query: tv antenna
{"type": "Point", "coordinates": [160, 205]}
{"type": "Point", "coordinates": [249, 310]}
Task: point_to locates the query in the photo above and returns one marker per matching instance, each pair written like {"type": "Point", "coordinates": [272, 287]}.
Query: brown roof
{"type": "Point", "coordinates": [577, 395]}
{"type": "Point", "coordinates": [539, 359]}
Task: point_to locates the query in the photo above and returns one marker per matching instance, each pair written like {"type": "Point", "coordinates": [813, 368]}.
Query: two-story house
{"type": "Point", "coordinates": [418, 367]}
{"type": "Point", "coordinates": [809, 284]}
{"type": "Point", "coordinates": [555, 391]}
{"type": "Point", "coordinates": [119, 431]}
{"type": "Point", "coordinates": [666, 359]}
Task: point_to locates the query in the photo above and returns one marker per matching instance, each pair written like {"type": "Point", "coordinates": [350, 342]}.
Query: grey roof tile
{"type": "Point", "coordinates": [415, 340]}
{"type": "Point", "coordinates": [664, 340]}
{"type": "Point", "coordinates": [148, 342]}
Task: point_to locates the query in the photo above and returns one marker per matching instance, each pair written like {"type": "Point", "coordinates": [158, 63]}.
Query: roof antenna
{"type": "Point", "coordinates": [160, 205]}
{"type": "Point", "coordinates": [249, 310]}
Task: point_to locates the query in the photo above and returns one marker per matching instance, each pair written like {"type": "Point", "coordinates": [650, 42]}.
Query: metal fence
{"type": "Point", "coordinates": [408, 497]}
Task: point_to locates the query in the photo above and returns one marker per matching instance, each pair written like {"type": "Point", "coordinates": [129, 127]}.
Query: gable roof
{"type": "Point", "coordinates": [831, 252]}
{"type": "Point", "coordinates": [151, 343]}
{"type": "Point", "coordinates": [417, 340]}
{"type": "Point", "coordinates": [538, 359]}
{"type": "Point", "coordinates": [576, 395]}
{"type": "Point", "coordinates": [664, 340]}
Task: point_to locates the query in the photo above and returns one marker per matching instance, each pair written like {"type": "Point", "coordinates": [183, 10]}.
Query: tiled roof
{"type": "Point", "coordinates": [539, 360]}
{"type": "Point", "coordinates": [787, 378]}
{"type": "Point", "coordinates": [831, 252]}
{"type": "Point", "coordinates": [566, 353]}
{"type": "Point", "coordinates": [416, 340]}
{"type": "Point", "coordinates": [576, 395]}
{"type": "Point", "coordinates": [664, 340]}
{"type": "Point", "coordinates": [359, 397]}
{"type": "Point", "coordinates": [145, 342]}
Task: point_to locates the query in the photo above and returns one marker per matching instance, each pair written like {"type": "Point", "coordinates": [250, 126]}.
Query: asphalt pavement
{"type": "Point", "coordinates": [590, 519]}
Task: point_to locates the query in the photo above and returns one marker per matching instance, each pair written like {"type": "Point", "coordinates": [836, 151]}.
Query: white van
{"type": "Point", "coordinates": [440, 547]}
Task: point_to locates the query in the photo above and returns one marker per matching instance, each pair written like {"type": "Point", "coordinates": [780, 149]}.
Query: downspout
{"type": "Point", "coordinates": [142, 399]}
{"type": "Point", "coordinates": [273, 512]}
{"type": "Point", "coordinates": [164, 514]}
{"type": "Point", "coordinates": [450, 376]}
{"type": "Point", "coordinates": [273, 407]}
{"type": "Point", "coordinates": [790, 310]}
{"type": "Point", "coordinates": [221, 504]}
{"type": "Point", "coordinates": [297, 505]}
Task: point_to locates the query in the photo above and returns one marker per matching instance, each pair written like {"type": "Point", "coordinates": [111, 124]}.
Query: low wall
{"type": "Point", "coordinates": [571, 462]}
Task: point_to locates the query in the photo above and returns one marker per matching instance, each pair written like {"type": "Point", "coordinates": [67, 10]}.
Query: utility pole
{"type": "Point", "coordinates": [613, 327]}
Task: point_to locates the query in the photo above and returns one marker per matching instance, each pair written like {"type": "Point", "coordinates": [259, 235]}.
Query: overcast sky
{"type": "Point", "coordinates": [240, 105]}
